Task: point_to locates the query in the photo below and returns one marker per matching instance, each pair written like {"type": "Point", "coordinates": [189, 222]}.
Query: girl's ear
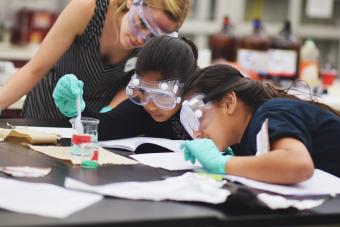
{"type": "Point", "coordinates": [229, 102]}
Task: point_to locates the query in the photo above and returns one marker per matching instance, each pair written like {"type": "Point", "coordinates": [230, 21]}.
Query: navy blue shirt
{"type": "Point", "coordinates": [317, 128]}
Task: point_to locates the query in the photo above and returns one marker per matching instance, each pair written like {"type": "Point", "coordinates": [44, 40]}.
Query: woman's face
{"type": "Point", "coordinates": [157, 114]}
{"type": "Point", "coordinates": [214, 125]}
{"type": "Point", "coordinates": [128, 38]}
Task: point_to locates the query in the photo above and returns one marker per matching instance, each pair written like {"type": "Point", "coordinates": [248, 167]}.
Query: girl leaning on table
{"type": "Point", "coordinates": [97, 40]}
{"type": "Point", "coordinates": [154, 93]}
{"type": "Point", "coordinates": [276, 137]}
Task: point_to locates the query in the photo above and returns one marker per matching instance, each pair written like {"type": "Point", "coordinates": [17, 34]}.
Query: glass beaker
{"type": "Point", "coordinates": [90, 134]}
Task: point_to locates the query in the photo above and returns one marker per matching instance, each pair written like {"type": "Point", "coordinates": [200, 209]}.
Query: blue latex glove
{"type": "Point", "coordinates": [106, 109]}
{"type": "Point", "coordinates": [207, 154]}
{"type": "Point", "coordinates": [65, 95]}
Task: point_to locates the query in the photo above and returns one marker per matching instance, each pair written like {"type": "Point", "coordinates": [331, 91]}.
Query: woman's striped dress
{"type": "Point", "coordinates": [101, 81]}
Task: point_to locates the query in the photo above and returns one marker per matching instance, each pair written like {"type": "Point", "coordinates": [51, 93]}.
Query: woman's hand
{"type": "Point", "coordinates": [65, 95]}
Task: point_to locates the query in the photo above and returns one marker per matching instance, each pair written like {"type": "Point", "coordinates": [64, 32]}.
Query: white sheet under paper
{"type": "Point", "coordinates": [63, 132]}
{"type": "Point", "coordinates": [132, 143]}
{"type": "Point", "coordinates": [43, 199]}
{"type": "Point", "coordinates": [321, 183]}
{"type": "Point", "coordinates": [279, 202]}
{"type": "Point", "coordinates": [25, 171]}
{"type": "Point", "coordinates": [188, 187]}
{"type": "Point", "coordinates": [168, 160]}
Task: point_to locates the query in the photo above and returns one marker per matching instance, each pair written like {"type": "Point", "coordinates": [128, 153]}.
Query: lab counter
{"type": "Point", "coordinates": [239, 211]}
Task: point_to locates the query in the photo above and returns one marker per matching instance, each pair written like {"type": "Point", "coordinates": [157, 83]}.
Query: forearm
{"type": "Point", "coordinates": [278, 166]}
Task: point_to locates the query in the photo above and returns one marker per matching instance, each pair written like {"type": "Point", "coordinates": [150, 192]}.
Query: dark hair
{"type": "Point", "coordinates": [217, 80]}
{"type": "Point", "coordinates": [172, 57]}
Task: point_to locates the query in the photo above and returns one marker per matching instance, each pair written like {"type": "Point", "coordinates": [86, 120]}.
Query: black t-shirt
{"type": "Point", "coordinates": [316, 128]}
{"type": "Point", "coordinates": [130, 120]}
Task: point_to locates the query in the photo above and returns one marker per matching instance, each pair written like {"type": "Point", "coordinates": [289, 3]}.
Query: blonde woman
{"type": "Point", "coordinates": [97, 40]}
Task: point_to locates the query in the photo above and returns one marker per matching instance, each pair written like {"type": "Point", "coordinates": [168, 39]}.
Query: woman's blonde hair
{"type": "Point", "coordinates": [176, 10]}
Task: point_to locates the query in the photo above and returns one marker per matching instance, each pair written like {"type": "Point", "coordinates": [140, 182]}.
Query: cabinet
{"type": "Point", "coordinates": [206, 18]}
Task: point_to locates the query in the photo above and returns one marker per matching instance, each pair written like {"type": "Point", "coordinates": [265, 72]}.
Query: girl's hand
{"type": "Point", "coordinates": [207, 154]}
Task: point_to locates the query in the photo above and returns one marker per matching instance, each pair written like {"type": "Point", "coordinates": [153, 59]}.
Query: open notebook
{"type": "Point", "coordinates": [166, 160]}
{"type": "Point", "coordinates": [131, 144]}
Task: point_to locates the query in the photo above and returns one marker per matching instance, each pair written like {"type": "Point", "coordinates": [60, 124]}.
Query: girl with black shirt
{"type": "Point", "coordinates": [154, 93]}
{"type": "Point", "coordinates": [277, 137]}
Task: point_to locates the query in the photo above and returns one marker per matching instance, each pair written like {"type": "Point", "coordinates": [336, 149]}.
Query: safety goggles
{"type": "Point", "coordinates": [142, 22]}
{"type": "Point", "coordinates": [166, 94]}
{"type": "Point", "coordinates": [197, 112]}
{"type": "Point", "coordinates": [193, 111]}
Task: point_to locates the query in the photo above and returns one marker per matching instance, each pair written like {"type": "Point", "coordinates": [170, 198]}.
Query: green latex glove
{"type": "Point", "coordinates": [207, 154]}
{"type": "Point", "coordinates": [106, 109]}
{"type": "Point", "coordinates": [65, 95]}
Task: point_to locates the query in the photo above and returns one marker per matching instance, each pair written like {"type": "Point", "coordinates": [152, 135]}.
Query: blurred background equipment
{"type": "Point", "coordinates": [31, 26]}
{"type": "Point", "coordinates": [6, 70]}
{"type": "Point", "coordinates": [283, 57]}
{"type": "Point", "coordinates": [309, 63]}
{"type": "Point", "coordinates": [224, 44]}
{"type": "Point", "coordinates": [253, 52]}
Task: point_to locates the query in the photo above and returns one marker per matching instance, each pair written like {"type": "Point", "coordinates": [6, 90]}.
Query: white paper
{"type": "Point", "coordinates": [321, 183]}
{"type": "Point", "coordinates": [132, 143]}
{"type": "Point", "coordinates": [166, 160]}
{"type": "Point", "coordinates": [188, 187]}
{"type": "Point", "coordinates": [64, 153]}
{"type": "Point", "coordinates": [319, 8]}
{"type": "Point", "coordinates": [63, 132]}
{"type": "Point", "coordinates": [43, 199]}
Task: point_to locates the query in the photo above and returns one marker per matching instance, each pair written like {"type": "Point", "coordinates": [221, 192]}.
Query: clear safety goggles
{"type": "Point", "coordinates": [194, 113]}
{"type": "Point", "coordinates": [142, 22]}
{"type": "Point", "coordinates": [166, 94]}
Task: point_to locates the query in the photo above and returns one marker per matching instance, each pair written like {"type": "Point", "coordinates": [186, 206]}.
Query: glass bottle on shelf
{"type": "Point", "coordinates": [283, 57]}
{"type": "Point", "coordinates": [252, 54]}
{"type": "Point", "coordinates": [309, 63]}
{"type": "Point", "coordinates": [223, 45]}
